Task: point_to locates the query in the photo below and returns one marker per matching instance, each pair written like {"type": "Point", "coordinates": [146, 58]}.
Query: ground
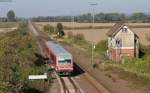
{"type": "Point", "coordinates": [109, 77]}
{"type": "Point", "coordinates": [100, 34]}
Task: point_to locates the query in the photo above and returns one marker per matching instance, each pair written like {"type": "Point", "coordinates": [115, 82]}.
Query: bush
{"type": "Point", "coordinates": [145, 49]}
{"type": "Point", "coordinates": [60, 30]}
{"type": "Point", "coordinates": [79, 36]}
{"type": "Point", "coordinates": [138, 65]}
{"type": "Point", "coordinates": [17, 53]}
{"type": "Point", "coordinates": [101, 47]}
{"type": "Point", "coordinates": [48, 28]}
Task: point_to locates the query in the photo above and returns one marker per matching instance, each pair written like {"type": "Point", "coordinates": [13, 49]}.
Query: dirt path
{"type": "Point", "coordinates": [114, 85]}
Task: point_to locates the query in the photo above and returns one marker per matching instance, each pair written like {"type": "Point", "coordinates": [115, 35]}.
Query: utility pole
{"type": "Point", "coordinates": [93, 47]}
{"type": "Point", "coordinates": [72, 17]}
{"type": "Point", "coordinates": [92, 43]}
{"type": "Point", "coordinates": [93, 14]}
{"type": "Point", "coordinates": [92, 52]}
{"type": "Point", "coordinates": [49, 23]}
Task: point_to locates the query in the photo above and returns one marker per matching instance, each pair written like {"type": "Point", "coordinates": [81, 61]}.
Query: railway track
{"type": "Point", "coordinates": [69, 85]}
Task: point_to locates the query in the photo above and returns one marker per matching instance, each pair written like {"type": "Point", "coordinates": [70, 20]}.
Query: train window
{"type": "Point", "coordinates": [68, 60]}
{"type": "Point", "coordinates": [62, 61]}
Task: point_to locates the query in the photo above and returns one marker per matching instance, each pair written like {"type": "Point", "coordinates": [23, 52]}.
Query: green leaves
{"type": "Point", "coordinates": [11, 16]}
{"type": "Point", "coordinates": [101, 47]}
{"type": "Point", "coordinates": [138, 65]}
{"type": "Point", "coordinates": [17, 58]}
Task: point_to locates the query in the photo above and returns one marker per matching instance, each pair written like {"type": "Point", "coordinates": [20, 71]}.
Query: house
{"type": "Point", "coordinates": [122, 42]}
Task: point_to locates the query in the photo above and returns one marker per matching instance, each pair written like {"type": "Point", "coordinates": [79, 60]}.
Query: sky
{"type": "Point", "coordinates": [30, 8]}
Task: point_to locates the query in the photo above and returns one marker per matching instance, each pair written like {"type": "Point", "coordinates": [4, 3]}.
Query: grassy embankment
{"type": "Point", "coordinates": [18, 60]}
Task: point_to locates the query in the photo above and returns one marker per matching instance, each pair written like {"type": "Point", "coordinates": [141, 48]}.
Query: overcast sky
{"type": "Point", "coordinates": [29, 8]}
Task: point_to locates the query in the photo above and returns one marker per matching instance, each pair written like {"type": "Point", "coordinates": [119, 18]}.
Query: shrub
{"type": "Point", "coordinates": [48, 28]}
{"type": "Point", "coordinates": [60, 30]}
{"type": "Point", "coordinates": [79, 36]}
{"type": "Point", "coordinates": [145, 49]}
{"type": "Point", "coordinates": [101, 47]}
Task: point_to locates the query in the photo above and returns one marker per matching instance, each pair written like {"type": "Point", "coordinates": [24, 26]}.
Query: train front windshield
{"type": "Point", "coordinates": [65, 62]}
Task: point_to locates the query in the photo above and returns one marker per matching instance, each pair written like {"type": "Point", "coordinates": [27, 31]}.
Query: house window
{"type": "Point", "coordinates": [118, 43]}
{"type": "Point", "coordinates": [124, 29]}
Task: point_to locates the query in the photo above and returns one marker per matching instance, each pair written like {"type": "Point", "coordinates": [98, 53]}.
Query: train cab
{"type": "Point", "coordinates": [60, 58]}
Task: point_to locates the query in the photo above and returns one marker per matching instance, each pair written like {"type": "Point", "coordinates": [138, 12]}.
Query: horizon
{"type": "Point", "coordinates": [32, 8]}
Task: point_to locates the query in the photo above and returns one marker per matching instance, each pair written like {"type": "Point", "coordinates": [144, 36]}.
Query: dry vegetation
{"type": "Point", "coordinates": [97, 35]}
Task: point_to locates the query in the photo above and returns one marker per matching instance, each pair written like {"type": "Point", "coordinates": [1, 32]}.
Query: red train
{"type": "Point", "coordinates": [60, 59]}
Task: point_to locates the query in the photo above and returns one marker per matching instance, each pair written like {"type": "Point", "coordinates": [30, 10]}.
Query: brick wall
{"type": "Point", "coordinates": [119, 54]}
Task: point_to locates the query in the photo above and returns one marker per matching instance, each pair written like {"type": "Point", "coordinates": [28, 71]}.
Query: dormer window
{"type": "Point", "coordinates": [124, 29]}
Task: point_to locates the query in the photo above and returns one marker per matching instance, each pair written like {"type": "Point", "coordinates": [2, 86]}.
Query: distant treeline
{"type": "Point", "coordinates": [4, 19]}
{"type": "Point", "coordinates": [99, 18]}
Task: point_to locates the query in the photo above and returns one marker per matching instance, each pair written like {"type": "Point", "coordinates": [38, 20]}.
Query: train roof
{"type": "Point", "coordinates": [57, 49]}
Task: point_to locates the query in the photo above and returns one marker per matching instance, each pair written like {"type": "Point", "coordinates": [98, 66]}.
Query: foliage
{"type": "Point", "coordinates": [49, 29]}
{"type": "Point", "coordinates": [138, 17]}
{"type": "Point", "coordinates": [59, 27]}
{"type": "Point", "coordinates": [145, 49]}
{"type": "Point", "coordinates": [60, 30]}
{"type": "Point", "coordinates": [99, 17]}
{"type": "Point", "coordinates": [78, 36]}
{"type": "Point", "coordinates": [101, 47]}
{"type": "Point", "coordinates": [138, 65]}
{"type": "Point", "coordinates": [17, 56]}
{"type": "Point", "coordinates": [11, 16]}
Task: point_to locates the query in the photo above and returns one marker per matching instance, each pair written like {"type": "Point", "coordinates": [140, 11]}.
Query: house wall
{"type": "Point", "coordinates": [117, 54]}
{"type": "Point", "coordinates": [127, 38]}
{"type": "Point", "coordinates": [126, 46]}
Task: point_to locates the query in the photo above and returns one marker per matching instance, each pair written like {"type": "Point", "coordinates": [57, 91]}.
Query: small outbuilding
{"type": "Point", "coordinates": [122, 42]}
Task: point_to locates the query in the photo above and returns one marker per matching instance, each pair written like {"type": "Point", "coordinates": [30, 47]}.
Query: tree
{"type": "Point", "coordinates": [11, 16]}
{"type": "Point", "coordinates": [139, 17]}
{"type": "Point", "coordinates": [60, 30]}
{"type": "Point", "coordinates": [48, 28]}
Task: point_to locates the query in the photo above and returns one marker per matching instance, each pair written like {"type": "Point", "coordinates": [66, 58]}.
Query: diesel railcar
{"type": "Point", "coordinates": [60, 58]}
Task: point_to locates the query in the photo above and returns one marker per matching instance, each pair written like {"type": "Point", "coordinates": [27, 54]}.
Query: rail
{"type": "Point", "coordinates": [69, 85]}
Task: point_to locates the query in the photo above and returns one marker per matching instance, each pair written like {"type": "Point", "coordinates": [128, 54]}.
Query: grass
{"type": "Point", "coordinates": [8, 24]}
{"type": "Point", "coordinates": [17, 59]}
{"type": "Point", "coordinates": [135, 79]}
